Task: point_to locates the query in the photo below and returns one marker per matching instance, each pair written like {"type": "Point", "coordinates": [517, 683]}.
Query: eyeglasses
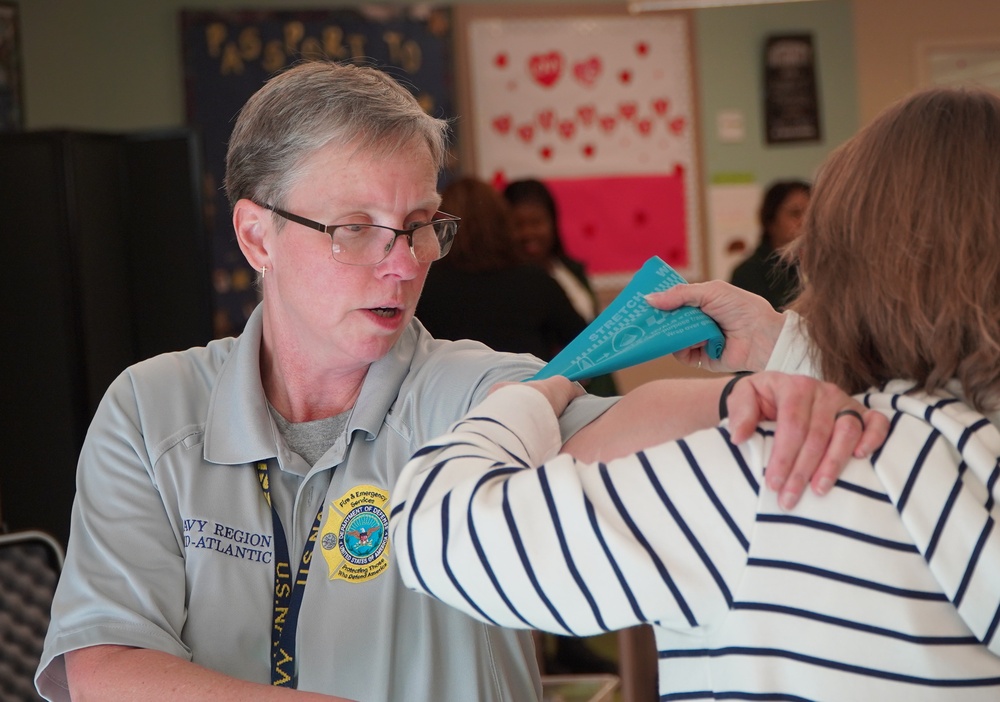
{"type": "Point", "coordinates": [370, 244]}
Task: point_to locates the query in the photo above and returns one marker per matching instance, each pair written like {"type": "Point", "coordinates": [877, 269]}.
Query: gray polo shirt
{"type": "Point", "coordinates": [172, 544]}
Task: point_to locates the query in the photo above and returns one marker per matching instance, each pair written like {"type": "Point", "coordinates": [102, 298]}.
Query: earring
{"type": "Point", "coordinates": [263, 270]}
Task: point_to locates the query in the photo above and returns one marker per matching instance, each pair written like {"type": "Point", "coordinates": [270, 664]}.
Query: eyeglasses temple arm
{"type": "Point", "coordinates": [312, 224]}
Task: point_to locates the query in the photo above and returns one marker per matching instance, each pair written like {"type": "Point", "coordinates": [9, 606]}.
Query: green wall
{"type": "Point", "coordinates": [730, 45]}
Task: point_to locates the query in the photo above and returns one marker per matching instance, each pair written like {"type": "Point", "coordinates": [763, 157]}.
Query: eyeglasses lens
{"type": "Point", "coordinates": [368, 245]}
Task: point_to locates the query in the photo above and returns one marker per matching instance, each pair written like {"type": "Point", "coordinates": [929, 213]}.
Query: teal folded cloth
{"type": "Point", "coordinates": [629, 331]}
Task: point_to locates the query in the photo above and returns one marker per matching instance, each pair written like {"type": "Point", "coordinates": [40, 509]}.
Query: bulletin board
{"type": "Point", "coordinates": [602, 108]}
{"type": "Point", "coordinates": [228, 55]}
{"type": "Point", "coordinates": [11, 99]}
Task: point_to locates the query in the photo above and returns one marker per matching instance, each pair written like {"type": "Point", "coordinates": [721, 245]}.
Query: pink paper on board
{"type": "Point", "coordinates": [614, 224]}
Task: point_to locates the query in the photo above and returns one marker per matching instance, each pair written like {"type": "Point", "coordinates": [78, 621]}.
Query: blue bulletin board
{"type": "Point", "coordinates": [11, 100]}
{"type": "Point", "coordinates": [229, 55]}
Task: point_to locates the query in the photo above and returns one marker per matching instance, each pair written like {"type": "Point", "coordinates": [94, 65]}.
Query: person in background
{"type": "Point", "coordinates": [536, 228]}
{"type": "Point", "coordinates": [210, 476]}
{"type": "Point", "coordinates": [888, 588]}
{"type": "Point", "coordinates": [536, 231]}
{"type": "Point", "coordinates": [765, 272]}
{"type": "Point", "coordinates": [483, 291]}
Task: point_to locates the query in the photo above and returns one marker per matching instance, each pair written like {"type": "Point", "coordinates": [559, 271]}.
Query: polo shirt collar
{"type": "Point", "coordinates": [382, 384]}
{"type": "Point", "coordinates": [238, 428]}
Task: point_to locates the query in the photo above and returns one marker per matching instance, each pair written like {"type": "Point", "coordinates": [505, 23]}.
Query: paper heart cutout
{"type": "Point", "coordinates": [502, 124]}
{"type": "Point", "coordinates": [587, 71]}
{"type": "Point", "coordinates": [545, 118]}
{"type": "Point", "coordinates": [545, 69]}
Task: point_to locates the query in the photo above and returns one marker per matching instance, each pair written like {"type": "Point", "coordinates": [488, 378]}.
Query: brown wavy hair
{"type": "Point", "coordinates": [901, 249]}
{"type": "Point", "coordinates": [485, 240]}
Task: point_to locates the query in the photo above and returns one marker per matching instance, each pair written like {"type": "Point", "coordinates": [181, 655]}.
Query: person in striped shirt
{"type": "Point", "coordinates": [888, 587]}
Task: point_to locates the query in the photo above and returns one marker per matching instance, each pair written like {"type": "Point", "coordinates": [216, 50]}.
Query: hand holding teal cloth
{"type": "Point", "coordinates": [630, 331]}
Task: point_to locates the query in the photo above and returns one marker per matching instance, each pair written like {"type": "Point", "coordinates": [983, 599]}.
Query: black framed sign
{"type": "Point", "coordinates": [791, 96]}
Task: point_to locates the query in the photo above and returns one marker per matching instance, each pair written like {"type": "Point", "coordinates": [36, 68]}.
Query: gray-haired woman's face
{"type": "Point", "coordinates": [348, 315]}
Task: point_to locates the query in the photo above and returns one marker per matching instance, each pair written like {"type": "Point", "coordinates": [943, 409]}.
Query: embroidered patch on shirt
{"type": "Point", "coordinates": [354, 537]}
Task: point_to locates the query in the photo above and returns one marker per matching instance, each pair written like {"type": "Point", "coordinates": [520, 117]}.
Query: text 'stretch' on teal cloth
{"type": "Point", "coordinates": [629, 331]}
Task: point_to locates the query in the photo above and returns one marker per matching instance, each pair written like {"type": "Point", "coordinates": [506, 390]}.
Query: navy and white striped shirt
{"type": "Point", "coordinates": [886, 589]}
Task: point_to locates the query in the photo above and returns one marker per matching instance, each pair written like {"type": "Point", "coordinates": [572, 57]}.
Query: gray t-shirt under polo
{"type": "Point", "coordinates": [171, 545]}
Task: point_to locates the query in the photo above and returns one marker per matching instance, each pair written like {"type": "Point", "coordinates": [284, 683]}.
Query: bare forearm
{"type": "Point", "coordinates": [110, 673]}
{"type": "Point", "coordinates": [679, 406]}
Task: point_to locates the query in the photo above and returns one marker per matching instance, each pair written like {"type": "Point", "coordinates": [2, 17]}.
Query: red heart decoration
{"type": "Point", "coordinates": [644, 126]}
{"type": "Point", "coordinates": [608, 123]}
{"type": "Point", "coordinates": [546, 68]}
{"type": "Point", "coordinates": [660, 106]}
{"type": "Point", "coordinates": [587, 71]}
{"type": "Point", "coordinates": [500, 60]}
{"type": "Point", "coordinates": [642, 48]}
{"type": "Point", "coordinates": [625, 76]}
{"type": "Point", "coordinates": [586, 114]}
{"type": "Point", "coordinates": [588, 150]}
{"type": "Point", "coordinates": [526, 132]}
{"type": "Point", "coordinates": [677, 125]}
{"type": "Point", "coordinates": [545, 153]}
{"type": "Point", "coordinates": [627, 109]}
{"type": "Point", "coordinates": [502, 123]}
{"type": "Point", "coordinates": [567, 128]}
{"type": "Point", "coordinates": [499, 180]}
{"type": "Point", "coordinates": [545, 118]}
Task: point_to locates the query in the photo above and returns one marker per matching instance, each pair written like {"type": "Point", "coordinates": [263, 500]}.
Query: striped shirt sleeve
{"type": "Point", "coordinates": [490, 520]}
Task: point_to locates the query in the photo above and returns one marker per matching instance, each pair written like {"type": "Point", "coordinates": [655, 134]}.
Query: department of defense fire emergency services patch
{"type": "Point", "coordinates": [355, 535]}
